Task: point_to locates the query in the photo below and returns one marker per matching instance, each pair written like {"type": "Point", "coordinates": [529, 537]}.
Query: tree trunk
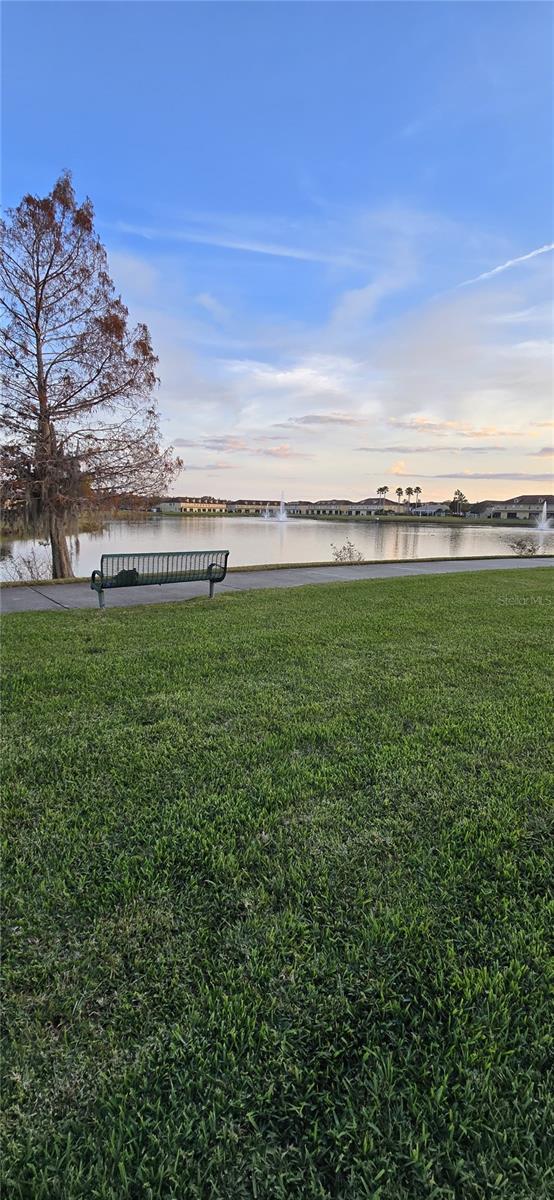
{"type": "Point", "coordinates": [61, 562]}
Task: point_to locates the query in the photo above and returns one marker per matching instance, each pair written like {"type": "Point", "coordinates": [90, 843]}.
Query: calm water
{"type": "Point", "coordinates": [252, 540]}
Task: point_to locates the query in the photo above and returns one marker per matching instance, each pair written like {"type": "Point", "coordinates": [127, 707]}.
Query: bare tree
{"type": "Point", "coordinates": [77, 382]}
{"type": "Point", "coordinates": [459, 504]}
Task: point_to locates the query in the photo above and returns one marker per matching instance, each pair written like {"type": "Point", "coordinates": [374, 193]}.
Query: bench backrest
{"type": "Point", "coordinates": [175, 566]}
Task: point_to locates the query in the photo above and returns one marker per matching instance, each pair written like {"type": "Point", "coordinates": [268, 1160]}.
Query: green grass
{"type": "Point", "coordinates": [277, 876]}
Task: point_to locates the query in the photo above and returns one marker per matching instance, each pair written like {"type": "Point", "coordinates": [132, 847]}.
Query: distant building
{"type": "Point", "coordinates": [432, 510]}
{"type": "Point", "coordinates": [524, 508]}
{"type": "Point", "coordinates": [252, 508]}
{"type": "Point", "coordinates": [343, 508]}
{"type": "Point", "coordinates": [328, 508]}
{"type": "Point", "coordinates": [375, 504]}
{"type": "Point", "coordinates": [193, 506]}
{"type": "Point", "coordinates": [519, 508]}
{"type": "Point", "coordinates": [299, 508]}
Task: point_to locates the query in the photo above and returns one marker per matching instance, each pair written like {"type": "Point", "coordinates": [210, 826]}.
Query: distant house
{"type": "Point", "coordinates": [193, 506]}
{"type": "Point", "coordinates": [376, 504]}
{"type": "Point", "coordinates": [251, 508]}
{"type": "Point", "coordinates": [299, 508]}
{"type": "Point", "coordinates": [343, 508]}
{"type": "Point", "coordinates": [432, 510]}
{"type": "Point", "coordinates": [329, 508]}
{"type": "Point", "coordinates": [519, 508]}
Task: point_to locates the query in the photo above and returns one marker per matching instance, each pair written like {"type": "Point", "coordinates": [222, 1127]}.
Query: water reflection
{"type": "Point", "coordinates": [252, 540]}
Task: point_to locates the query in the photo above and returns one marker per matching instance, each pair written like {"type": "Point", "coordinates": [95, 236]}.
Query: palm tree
{"type": "Point", "coordinates": [384, 491]}
{"type": "Point", "coordinates": [417, 493]}
{"type": "Point", "coordinates": [409, 493]}
{"type": "Point", "coordinates": [399, 493]}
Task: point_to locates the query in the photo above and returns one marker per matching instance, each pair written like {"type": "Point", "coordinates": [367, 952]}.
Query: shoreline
{"type": "Point", "coordinates": [139, 518]}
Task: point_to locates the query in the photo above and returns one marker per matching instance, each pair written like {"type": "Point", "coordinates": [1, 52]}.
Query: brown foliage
{"type": "Point", "coordinates": [77, 380]}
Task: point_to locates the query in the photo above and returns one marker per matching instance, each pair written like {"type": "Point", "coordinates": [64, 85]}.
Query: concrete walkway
{"type": "Point", "coordinates": [42, 597]}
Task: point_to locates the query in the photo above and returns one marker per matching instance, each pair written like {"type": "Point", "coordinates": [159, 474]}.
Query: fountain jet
{"type": "Point", "coordinates": [543, 522]}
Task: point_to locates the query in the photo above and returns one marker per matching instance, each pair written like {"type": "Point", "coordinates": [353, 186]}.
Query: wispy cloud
{"type": "Point", "coordinates": [511, 262]}
{"type": "Point", "coordinates": [426, 425]}
{"type": "Point", "coordinates": [544, 452]}
{"type": "Point", "coordinates": [310, 375]}
{"type": "Point", "coordinates": [230, 241]}
{"type": "Point", "coordinates": [284, 451]}
{"type": "Point", "coordinates": [209, 466]}
{"type": "Point", "coordinates": [230, 444]}
{"type": "Point", "coordinates": [357, 306]}
{"type": "Point", "coordinates": [226, 443]}
{"type": "Point", "coordinates": [537, 314]}
{"type": "Point", "coordinates": [436, 446]}
{"type": "Point", "coordinates": [212, 305]}
{"type": "Point", "coordinates": [515, 475]}
{"type": "Point", "coordinates": [323, 419]}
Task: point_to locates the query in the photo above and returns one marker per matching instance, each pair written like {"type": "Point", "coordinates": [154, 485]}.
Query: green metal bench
{"type": "Point", "coordinates": [180, 566]}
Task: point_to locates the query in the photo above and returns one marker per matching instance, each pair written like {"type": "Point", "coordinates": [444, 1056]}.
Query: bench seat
{"type": "Point", "coordinates": [177, 566]}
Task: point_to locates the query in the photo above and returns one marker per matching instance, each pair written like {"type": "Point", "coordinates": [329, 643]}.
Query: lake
{"type": "Point", "coordinates": [252, 540]}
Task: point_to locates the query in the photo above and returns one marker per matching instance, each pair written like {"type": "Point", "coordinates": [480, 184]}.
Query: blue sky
{"type": "Point", "coordinates": [292, 196]}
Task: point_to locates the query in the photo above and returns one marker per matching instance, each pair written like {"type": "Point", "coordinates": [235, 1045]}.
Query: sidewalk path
{"type": "Point", "coordinates": [43, 597]}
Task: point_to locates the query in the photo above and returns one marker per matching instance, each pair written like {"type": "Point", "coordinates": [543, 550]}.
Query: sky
{"type": "Point", "coordinates": [335, 218]}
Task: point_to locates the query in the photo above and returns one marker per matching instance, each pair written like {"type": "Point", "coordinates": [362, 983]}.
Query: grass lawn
{"type": "Point", "coordinates": [277, 872]}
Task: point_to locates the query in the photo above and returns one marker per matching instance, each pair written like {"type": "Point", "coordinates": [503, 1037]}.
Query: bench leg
{"type": "Point", "coordinates": [101, 598]}
{"type": "Point", "coordinates": [211, 588]}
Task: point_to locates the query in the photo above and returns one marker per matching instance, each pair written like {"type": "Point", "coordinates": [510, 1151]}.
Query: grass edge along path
{"type": "Point", "coordinates": [277, 895]}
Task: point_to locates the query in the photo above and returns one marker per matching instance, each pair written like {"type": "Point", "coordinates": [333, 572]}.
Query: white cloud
{"type": "Point", "coordinates": [423, 424]}
{"type": "Point", "coordinates": [317, 373]}
{"type": "Point", "coordinates": [539, 348]}
{"type": "Point", "coordinates": [511, 262]}
{"type": "Point", "coordinates": [450, 362]}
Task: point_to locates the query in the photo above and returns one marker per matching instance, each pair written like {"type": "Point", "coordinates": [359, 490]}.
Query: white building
{"type": "Point", "coordinates": [190, 506]}
{"type": "Point", "coordinates": [431, 510]}
{"type": "Point", "coordinates": [520, 508]}
{"type": "Point", "coordinates": [376, 504]}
